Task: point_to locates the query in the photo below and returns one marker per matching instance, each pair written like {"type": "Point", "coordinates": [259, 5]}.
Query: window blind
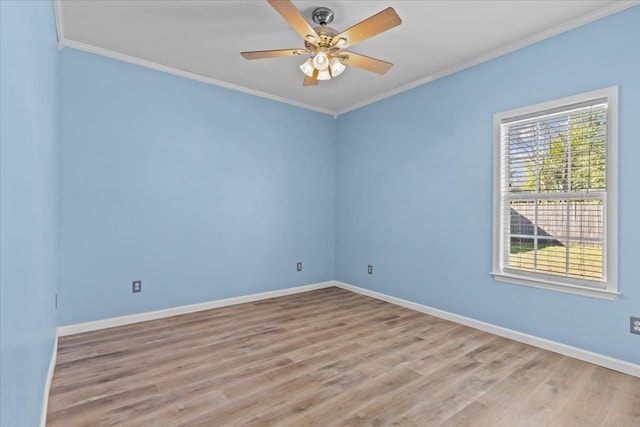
{"type": "Point", "coordinates": [554, 192]}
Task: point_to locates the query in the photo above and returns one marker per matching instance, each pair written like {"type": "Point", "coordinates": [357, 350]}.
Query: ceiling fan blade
{"type": "Point", "coordinates": [260, 54]}
{"type": "Point", "coordinates": [364, 62]}
{"type": "Point", "coordinates": [295, 19]}
{"type": "Point", "coordinates": [311, 81]}
{"type": "Point", "coordinates": [370, 27]}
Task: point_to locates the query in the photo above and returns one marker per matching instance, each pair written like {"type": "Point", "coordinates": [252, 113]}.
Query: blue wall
{"type": "Point", "coordinates": [205, 193]}
{"type": "Point", "coordinates": [201, 192]}
{"type": "Point", "coordinates": [28, 206]}
{"type": "Point", "coordinates": [414, 193]}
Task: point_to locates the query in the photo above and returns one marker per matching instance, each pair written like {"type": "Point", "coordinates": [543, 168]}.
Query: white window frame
{"type": "Point", "coordinates": [609, 290]}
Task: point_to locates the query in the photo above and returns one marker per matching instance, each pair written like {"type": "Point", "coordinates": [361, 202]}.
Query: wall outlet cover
{"type": "Point", "coordinates": [635, 325]}
{"type": "Point", "coordinates": [136, 286]}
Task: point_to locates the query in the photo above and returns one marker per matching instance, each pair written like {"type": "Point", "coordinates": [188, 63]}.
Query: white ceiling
{"type": "Point", "coordinates": [203, 40]}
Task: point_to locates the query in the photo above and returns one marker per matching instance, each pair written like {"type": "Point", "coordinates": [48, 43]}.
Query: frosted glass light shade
{"type": "Point", "coordinates": [307, 67]}
{"type": "Point", "coordinates": [323, 66]}
{"type": "Point", "coordinates": [321, 61]}
{"type": "Point", "coordinates": [336, 67]}
{"type": "Point", "coordinates": [324, 74]}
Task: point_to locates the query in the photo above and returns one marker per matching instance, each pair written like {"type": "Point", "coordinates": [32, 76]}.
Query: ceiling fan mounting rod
{"type": "Point", "coordinates": [322, 15]}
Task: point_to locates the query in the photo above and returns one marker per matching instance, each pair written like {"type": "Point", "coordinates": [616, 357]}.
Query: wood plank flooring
{"type": "Point", "coordinates": [326, 358]}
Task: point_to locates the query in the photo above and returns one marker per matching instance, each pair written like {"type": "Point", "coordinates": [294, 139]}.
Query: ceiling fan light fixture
{"type": "Point", "coordinates": [324, 74]}
{"type": "Point", "coordinates": [307, 67]}
{"type": "Point", "coordinates": [321, 60]}
{"type": "Point", "coordinates": [336, 67]}
{"type": "Point", "coordinates": [324, 44]}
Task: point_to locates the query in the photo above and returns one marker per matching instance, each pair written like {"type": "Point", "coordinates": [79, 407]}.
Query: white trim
{"type": "Point", "coordinates": [535, 38]}
{"type": "Point", "coordinates": [47, 384]}
{"type": "Point", "coordinates": [611, 219]}
{"type": "Point", "coordinates": [577, 353]}
{"type": "Point", "coordinates": [64, 42]}
{"type": "Point", "coordinates": [174, 311]}
{"type": "Point", "coordinates": [57, 10]}
{"type": "Point", "coordinates": [610, 92]}
{"type": "Point", "coordinates": [558, 283]}
{"type": "Point", "coordinates": [189, 75]}
{"type": "Point", "coordinates": [566, 350]}
{"type": "Point", "coordinates": [567, 288]}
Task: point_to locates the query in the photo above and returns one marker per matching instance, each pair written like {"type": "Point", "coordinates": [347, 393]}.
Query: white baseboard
{"type": "Point", "coordinates": [47, 384]}
{"type": "Point", "coordinates": [577, 353]}
{"type": "Point", "coordinates": [174, 311]}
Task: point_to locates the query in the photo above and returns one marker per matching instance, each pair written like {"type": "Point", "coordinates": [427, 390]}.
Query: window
{"type": "Point", "coordinates": [554, 218]}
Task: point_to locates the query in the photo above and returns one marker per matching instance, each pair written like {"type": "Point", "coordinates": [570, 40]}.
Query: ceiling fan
{"type": "Point", "coordinates": [325, 44]}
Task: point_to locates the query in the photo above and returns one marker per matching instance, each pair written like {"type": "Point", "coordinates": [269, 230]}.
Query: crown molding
{"type": "Point", "coordinates": [512, 47]}
{"type": "Point", "coordinates": [57, 10]}
{"type": "Point", "coordinates": [527, 41]}
{"type": "Point", "coordinates": [188, 75]}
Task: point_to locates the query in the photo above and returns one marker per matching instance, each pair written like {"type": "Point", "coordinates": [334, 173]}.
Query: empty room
{"type": "Point", "coordinates": [319, 213]}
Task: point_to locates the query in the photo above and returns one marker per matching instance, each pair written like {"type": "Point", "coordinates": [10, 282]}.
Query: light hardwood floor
{"type": "Point", "coordinates": [326, 357]}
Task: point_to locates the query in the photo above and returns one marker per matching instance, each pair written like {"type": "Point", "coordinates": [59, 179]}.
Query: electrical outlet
{"type": "Point", "coordinates": [136, 286]}
{"type": "Point", "coordinates": [299, 266]}
{"type": "Point", "coordinates": [635, 325]}
{"type": "Point", "coordinates": [370, 269]}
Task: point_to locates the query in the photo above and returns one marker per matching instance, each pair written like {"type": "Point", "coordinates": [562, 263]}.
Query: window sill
{"type": "Point", "coordinates": [554, 286]}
